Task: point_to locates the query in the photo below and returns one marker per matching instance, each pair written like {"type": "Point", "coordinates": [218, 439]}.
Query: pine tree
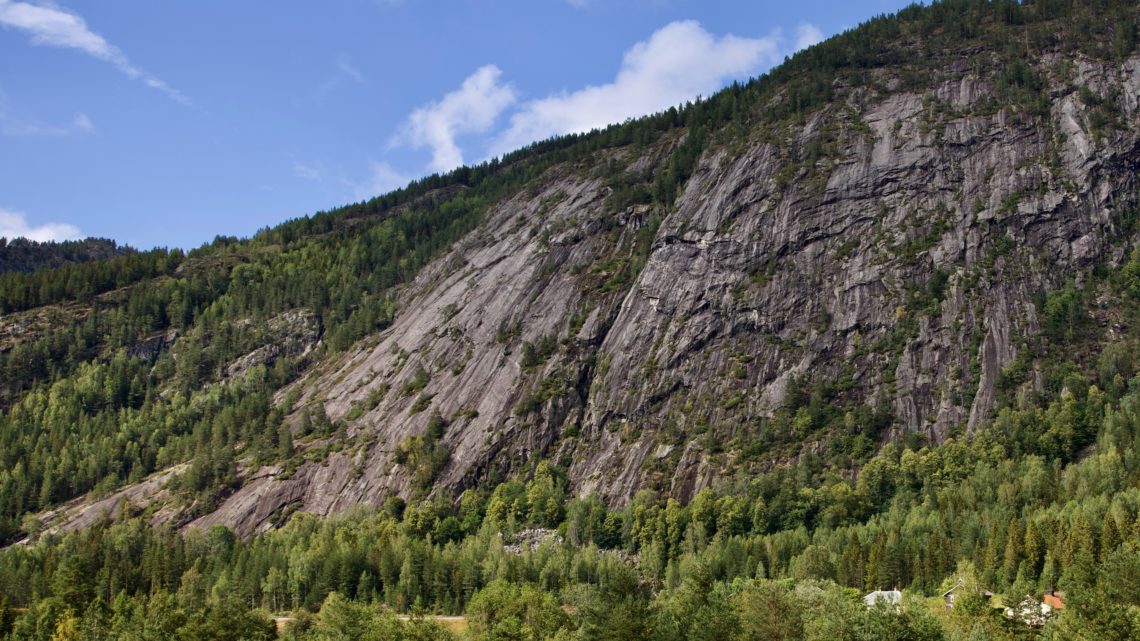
{"type": "Point", "coordinates": [876, 575]}
{"type": "Point", "coordinates": [67, 628]}
{"type": "Point", "coordinates": [284, 442]}
{"type": "Point", "coordinates": [7, 617]}
{"type": "Point", "coordinates": [1081, 538]}
{"type": "Point", "coordinates": [1034, 547]}
{"type": "Point", "coordinates": [1110, 535]}
{"type": "Point", "coordinates": [991, 560]}
{"type": "Point", "coordinates": [851, 562]}
{"type": "Point", "coordinates": [1011, 559]}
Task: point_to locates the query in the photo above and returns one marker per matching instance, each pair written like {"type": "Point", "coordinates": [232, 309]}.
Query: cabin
{"type": "Point", "coordinates": [949, 595]}
{"type": "Point", "coordinates": [1035, 613]}
{"type": "Point", "coordinates": [889, 597]}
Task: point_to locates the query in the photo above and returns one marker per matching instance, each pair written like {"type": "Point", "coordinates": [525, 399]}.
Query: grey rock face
{"type": "Point", "coordinates": [901, 266]}
{"type": "Point", "coordinates": [293, 333]}
{"type": "Point", "coordinates": [150, 348]}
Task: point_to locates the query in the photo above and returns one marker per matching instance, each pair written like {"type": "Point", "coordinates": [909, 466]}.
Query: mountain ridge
{"type": "Point", "coordinates": [24, 255]}
{"type": "Point", "coordinates": [611, 458]}
{"type": "Point", "coordinates": [847, 252]}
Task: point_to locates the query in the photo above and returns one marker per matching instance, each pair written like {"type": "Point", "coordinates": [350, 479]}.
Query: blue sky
{"type": "Point", "coordinates": [166, 123]}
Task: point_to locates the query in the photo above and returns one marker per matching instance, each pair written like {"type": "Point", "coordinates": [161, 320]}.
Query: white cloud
{"type": "Point", "coordinates": [54, 27]}
{"type": "Point", "coordinates": [14, 224]}
{"type": "Point", "coordinates": [382, 180]}
{"type": "Point", "coordinates": [678, 62]}
{"type": "Point", "coordinates": [807, 34]}
{"type": "Point", "coordinates": [83, 123]}
{"type": "Point", "coordinates": [472, 108]}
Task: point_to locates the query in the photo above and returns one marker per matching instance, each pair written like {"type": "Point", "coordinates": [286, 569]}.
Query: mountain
{"type": "Point", "coordinates": [866, 321]}
{"type": "Point", "coordinates": [770, 274]}
{"type": "Point", "coordinates": [852, 250]}
{"type": "Point", "coordinates": [23, 255]}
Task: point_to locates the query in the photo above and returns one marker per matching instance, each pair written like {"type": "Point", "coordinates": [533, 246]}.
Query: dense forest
{"type": "Point", "coordinates": [23, 255]}
{"type": "Point", "coordinates": [1047, 498]}
{"type": "Point", "coordinates": [116, 368]}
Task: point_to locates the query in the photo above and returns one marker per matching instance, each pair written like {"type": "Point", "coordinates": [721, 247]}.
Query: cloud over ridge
{"type": "Point", "coordinates": [14, 224]}
{"type": "Point", "coordinates": [472, 108]}
{"type": "Point", "coordinates": [807, 35]}
{"type": "Point", "coordinates": [677, 63]}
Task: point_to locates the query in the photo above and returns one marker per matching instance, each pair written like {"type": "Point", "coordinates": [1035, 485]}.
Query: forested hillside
{"type": "Point", "coordinates": [866, 322]}
{"type": "Point", "coordinates": [23, 255]}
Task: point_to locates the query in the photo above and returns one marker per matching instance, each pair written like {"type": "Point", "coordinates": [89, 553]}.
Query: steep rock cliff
{"type": "Point", "coordinates": [882, 258]}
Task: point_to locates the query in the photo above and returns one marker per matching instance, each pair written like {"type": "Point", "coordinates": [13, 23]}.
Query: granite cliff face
{"type": "Point", "coordinates": [885, 256]}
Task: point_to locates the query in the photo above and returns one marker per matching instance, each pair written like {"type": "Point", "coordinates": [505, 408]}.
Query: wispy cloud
{"type": "Point", "coordinates": [807, 34]}
{"type": "Point", "coordinates": [83, 123]}
{"type": "Point", "coordinates": [14, 224]}
{"type": "Point", "coordinates": [677, 63]}
{"type": "Point", "coordinates": [308, 172]}
{"type": "Point", "coordinates": [345, 70]}
{"type": "Point", "coordinates": [49, 25]}
{"type": "Point", "coordinates": [381, 180]}
{"type": "Point", "coordinates": [344, 63]}
{"type": "Point", "coordinates": [14, 125]}
{"type": "Point", "coordinates": [472, 108]}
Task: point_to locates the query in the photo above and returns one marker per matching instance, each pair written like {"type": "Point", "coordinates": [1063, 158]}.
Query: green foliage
{"type": "Point", "coordinates": [417, 383]}
{"type": "Point", "coordinates": [424, 456]}
{"type": "Point", "coordinates": [534, 354]}
{"type": "Point", "coordinates": [341, 619]}
{"type": "Point", "coordinates": [553, 386]}
{"type": "Point", "coordinates": [1065, 314]}
{"type": "Point", "coordinates": [503, 610]}
{"type": "Point", "coordinates": [913, 518]}
{"type": "Point", "coordinates": [422, 402]}
{"type": "Point", "coordinates": [82, 280]}
{"type": "Point", "coordinates": [680, 167]}
{"type": "Point", "coordinates": [94, 395]}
